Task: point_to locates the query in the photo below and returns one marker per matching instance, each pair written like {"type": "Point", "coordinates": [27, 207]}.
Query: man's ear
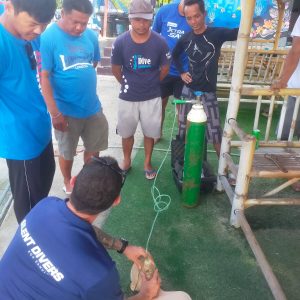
{"type": "Point", "coordinates": [9, 8]}
{"type": "Point", "coordinates": [73, 180]}
{"type": "Point", "coordinates": [117, 201]}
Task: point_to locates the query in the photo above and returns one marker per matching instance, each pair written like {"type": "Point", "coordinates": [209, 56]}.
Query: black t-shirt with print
{"type": "Point", "coordinates": [203, 51]}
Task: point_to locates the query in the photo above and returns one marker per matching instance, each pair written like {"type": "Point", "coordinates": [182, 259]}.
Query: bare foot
{"type": "Point", "coordinates": [125, 165]}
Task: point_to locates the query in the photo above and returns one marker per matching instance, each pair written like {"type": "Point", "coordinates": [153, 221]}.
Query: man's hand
{"type": "Point", "coordinates": [278, 84]}
{"type": "Point", "coordinates": [186, 77]}
{"type": "Point", "coordinates": [133, 253]}
{"type": "Point", "coordinates": [59, 122]}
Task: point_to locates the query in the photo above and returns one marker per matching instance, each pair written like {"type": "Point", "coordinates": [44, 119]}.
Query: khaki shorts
{"type": "Point", "coordinates": [148, 113]}
{"type": "Point", "coordinates": [93, 131]}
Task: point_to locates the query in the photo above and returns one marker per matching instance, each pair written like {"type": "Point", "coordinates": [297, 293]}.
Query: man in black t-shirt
{"type": "Point", "coordinates": [203, 47]}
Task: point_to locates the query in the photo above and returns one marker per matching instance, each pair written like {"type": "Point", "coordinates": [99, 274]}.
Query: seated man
{"type": "Point", "coordinates": [55, 253]}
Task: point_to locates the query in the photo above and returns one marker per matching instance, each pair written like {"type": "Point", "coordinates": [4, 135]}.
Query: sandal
{"type": "Point", "coordinates": [150, 174]}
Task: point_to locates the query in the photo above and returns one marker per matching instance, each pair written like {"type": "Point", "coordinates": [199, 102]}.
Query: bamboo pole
{"type": "Point", "coordinates": [231, 165]}
{"type": "Point", "coordinates": [275, 174]}
{"type": "Point", "coordinates": [270, 114]}
{"type": "Point", "coordinates": [281, 7]}
{"type": "Point", "coordinates": [257, 113]}
{"type": "Point", "coordinates": [243, 179]}
{"type": "Point", "coordinates": [105, 18]}
{"type": "Point", "coordinates": [257, 51]}
{"type": "Point", "coordinates": [256, 91]}
{"type": "Point", "coordinates": [227, 187]}
{"type": "Point", "coordinates": [281, 187]}
{"type": "Point", "coordinates": [260, 257]}
{"type": "Point", "coordinates": [294, 119]}
{"type": "Point", "coordinates": [240, 61]}
{"type": "Point", "coordinates": [271, 201]}
{"type": "Point", "coordinates": [239, 132]}
{"type": "Point", "coordinates": [275, 144]}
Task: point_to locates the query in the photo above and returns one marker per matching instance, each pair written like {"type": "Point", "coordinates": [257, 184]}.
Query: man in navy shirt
{"type": "Point", "coordinates": [170, 22]}
{"type": "Point", "coordinates": [140, 60]}
{"type": "Point", "coordinates": [25, 127]}
{"type": "Point", "coordinates": [55, 253]}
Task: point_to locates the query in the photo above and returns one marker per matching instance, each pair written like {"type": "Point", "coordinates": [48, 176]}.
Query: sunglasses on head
{"type": "Point", "coordinates": [103, 162]}
{"type": "Point", "coordinates": [30, 55]}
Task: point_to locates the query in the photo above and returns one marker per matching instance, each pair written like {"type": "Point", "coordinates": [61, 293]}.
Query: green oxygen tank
{"type": "Point", "coordinates": [193, 155]}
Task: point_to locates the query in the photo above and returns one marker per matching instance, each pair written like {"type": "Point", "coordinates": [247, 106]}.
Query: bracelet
{"type": "Point", "coordinates": [124, 245]}
{"type": "Point", "coordinates": [56, 116]}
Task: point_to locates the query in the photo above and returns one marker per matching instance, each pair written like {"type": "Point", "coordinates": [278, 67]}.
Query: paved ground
{"type": "Point", "coordinates": [108, 90]}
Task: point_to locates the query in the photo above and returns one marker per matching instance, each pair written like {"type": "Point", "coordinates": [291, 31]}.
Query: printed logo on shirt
{"type": "Point", "coordinates": [171, 24]}
{"type": "Point", "coordinates": [75, 62]}
{"type": "Point", "coordinates": [38, 256]}
{"type": "Point", "coordinates": [37, 55]}
{"type": "Point", "coordinates": [175, 33]}
{"type": "Point", "coordinates": [138, 62]}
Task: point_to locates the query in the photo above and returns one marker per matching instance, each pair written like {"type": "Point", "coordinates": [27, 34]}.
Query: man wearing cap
{"type": "Point", "coordinates": [55, 253]}
{"type": "Point", "coordinates": [140, 60]}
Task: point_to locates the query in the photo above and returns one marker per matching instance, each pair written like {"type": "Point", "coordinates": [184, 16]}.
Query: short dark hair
{"type": "Point", "coordinates": [83, 6]}
{"type": "Point", "coordinates": [192, 2]}
{"type": "Point", "coordinates": [97, 186]}
{"type": "Point", "coordinates": [41, 10]}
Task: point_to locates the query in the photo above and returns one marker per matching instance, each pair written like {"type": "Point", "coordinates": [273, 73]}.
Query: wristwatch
{"type": "Point", "coordinates": [124, 245]}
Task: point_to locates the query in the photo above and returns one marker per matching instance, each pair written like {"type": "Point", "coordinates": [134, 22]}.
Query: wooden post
{"type": "Point", "coordinates": [261, 259]}
{"type": "Point", "coordinates": [281, 7]}
{"type": "Point", "coordinates": [243, 179]}
{"type": "Point", "coordinates": [240, 60]}
{"type": "Point", "coordinates": [105, 18]}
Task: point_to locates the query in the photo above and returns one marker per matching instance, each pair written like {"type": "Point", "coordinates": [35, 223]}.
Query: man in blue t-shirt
{"type": "Point", "coordinates": [70, 53]}
{"type": "Point", "coordinates": [170, 22]}
{"type": "Point", "coordinates": [25, 128]}
{"type": "Point", "coordinates": [140, 60]}
{"type": "Point", "coordinates": [55, 253]}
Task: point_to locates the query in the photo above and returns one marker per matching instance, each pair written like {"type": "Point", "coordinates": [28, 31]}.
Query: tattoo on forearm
{"type": "Point", "coordinates": [107, 240]}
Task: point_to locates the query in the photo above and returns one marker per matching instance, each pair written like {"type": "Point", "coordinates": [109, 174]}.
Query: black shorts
{"type": "Point", "coordinates": [171, 85]}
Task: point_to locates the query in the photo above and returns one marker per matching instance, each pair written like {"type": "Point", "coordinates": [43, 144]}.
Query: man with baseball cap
{"type": "Point", "coordinates": [140, 60]}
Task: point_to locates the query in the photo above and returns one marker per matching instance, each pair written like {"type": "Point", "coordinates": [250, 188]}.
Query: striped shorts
{"type": "Point", "coordinates": [211, 108]}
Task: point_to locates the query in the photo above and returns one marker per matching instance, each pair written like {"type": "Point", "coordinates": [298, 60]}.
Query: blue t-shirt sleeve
{"type": "Point", "coordinates": [46, 52]}
{"type": "Point", "coordinates": [157, 23]}
{"type": "Point", "coordinates": [116, 55]}
{"type": "Point", "coordinates": [108, 288]}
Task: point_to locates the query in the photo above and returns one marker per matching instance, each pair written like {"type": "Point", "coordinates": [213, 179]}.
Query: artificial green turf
{"type": "Point", "coordinates": [196, 250]}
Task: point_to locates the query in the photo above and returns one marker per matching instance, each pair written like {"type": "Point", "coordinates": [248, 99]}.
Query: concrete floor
{"type": "Point", "coordinates": [108, 91]}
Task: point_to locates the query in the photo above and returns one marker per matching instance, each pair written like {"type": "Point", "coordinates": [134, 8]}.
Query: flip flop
{"type": "Point", "coordinates": [66, 192]}
{"type": "Point", "coordinates": [150, 174]}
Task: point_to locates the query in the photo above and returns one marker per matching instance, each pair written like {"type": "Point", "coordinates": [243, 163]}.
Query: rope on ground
{"type": "Point", "coordinates": [161, 201]}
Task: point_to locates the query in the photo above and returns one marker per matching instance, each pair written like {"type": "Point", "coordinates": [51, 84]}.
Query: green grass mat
{"type": "Point", "coordinates": [196, 250]}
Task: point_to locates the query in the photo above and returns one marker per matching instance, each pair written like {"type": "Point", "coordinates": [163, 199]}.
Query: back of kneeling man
{"type": "Point", "coordinates": [55, 253]}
